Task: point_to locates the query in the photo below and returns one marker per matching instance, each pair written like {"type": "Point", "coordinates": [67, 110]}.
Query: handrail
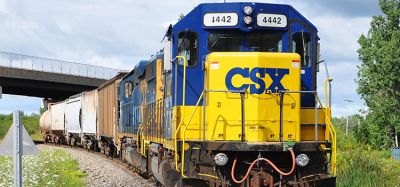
{"type": "Point", "coordinates": [281, 95]}
{"type": "Point", "coordinates": [332, 130]}
{"type": "Point", "coordinates": [242, 96]}
{"type": "Point", "coordinates": [183, 104]}
{"type": "Point", "coordinates": [187, 125]}
{"type": "Point", "coordinates": [184, 135]}
{"type": "Point", "coordinates": [327, 111]}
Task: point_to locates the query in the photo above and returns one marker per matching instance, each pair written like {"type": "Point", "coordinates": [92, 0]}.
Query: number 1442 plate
{"type": "Point", "coordinates": [220, 19]}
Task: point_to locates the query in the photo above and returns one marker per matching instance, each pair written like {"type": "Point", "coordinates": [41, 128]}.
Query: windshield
{"type": "Point", "coordinates": [236, 41]}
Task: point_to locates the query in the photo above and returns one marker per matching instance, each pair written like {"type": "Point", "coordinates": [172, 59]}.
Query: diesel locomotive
{"type": "Point", "coordinates": [229, 101]}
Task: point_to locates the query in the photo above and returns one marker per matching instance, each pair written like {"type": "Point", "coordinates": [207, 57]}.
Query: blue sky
{"type": "Point", "coordinates": [119, 33]}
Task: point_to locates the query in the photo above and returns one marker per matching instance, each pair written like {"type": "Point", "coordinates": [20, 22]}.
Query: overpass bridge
{"type": "Point", "coordinates": [48, 78]}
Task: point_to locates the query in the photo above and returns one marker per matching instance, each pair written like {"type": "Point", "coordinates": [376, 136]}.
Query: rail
{"type": "Point", "coordinates": [184, 135]}
{"type": "Point", "coordinates": [281, 95]}
{"type": "Point", "coordinates": [327, 117]}
{"type": "Point", "coordinates": [242, 107]}
{"type": "Point", "coordinates": [241, 92]}
{"type": "Point", "coordinates": [332, 131]}
{"type": "Point", "coordinates": [183, 103]}
{"type": "Point", "coordinates": [26, 62]}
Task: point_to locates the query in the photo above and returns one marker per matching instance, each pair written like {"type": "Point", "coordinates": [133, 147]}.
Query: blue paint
{"type": "Point", "coordinates": [193, 21]}
{"type": "Point", "coordinates": [276, 74]}
{"type": "Point", "coordinates": [236, 71]}
{"type": "Point", "coordinates": [257, 80]}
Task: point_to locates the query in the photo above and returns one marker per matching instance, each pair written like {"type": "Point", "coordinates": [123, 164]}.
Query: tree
{"type": "Point", "coordinates": [379, 74]}
{"type": "Point", "coordinates": [181, 16]}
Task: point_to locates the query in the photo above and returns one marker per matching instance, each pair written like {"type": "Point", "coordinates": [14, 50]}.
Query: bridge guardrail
{"type": "Point", "coordinates": [26, 62]}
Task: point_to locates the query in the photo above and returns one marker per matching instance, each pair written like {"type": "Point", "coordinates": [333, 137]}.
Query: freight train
{"type": "Point", "coordinates": [230, 100]}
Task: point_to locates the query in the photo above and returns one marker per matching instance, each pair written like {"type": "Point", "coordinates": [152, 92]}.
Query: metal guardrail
{"type": "Point", "coordinates": [26, 62]}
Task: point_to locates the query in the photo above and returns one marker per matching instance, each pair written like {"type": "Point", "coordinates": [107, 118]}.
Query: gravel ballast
{"type": "Point", "coordinates": [103, 171]}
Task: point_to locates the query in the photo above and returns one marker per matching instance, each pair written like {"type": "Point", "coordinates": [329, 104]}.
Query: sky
{"type": "Point", "coordinates": [120, 33]}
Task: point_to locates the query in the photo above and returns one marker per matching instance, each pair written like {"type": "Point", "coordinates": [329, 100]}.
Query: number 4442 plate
{"type": "Point", "coordinates": [271, 20]}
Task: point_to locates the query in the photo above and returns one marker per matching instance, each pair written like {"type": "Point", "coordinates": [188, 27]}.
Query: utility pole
{"type": "Point", "coordinates": [347, 121]}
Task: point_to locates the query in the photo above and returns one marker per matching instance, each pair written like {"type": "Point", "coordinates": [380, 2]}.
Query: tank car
{"type": "Point", "coordinates": [45, 126]}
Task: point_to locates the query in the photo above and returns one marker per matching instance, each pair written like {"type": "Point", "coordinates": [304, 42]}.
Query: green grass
{"type": "Point", "coordinates": [31, 124]}
{"type": "Point", "coordinates": [359, 165]}
{"type": "Point", "coordinates": [50, 168]}
{"type": "Point", "coordinates": [5, 123]}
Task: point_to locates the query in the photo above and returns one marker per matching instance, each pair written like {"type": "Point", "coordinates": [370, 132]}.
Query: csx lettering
{"type": "Point", "coordinates": [257, 75]}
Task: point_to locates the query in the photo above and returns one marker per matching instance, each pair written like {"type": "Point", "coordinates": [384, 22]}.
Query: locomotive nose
{"type": "Point", "coordinates": [261, 77]}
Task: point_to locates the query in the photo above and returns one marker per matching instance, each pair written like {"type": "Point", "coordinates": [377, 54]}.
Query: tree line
{"type": "Point", "coordinates": [379, 78]}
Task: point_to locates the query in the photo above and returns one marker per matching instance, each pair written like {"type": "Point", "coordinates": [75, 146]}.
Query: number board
{"type": "Point", "coordinates": [220, 19]}
{"type": "Point", "coordinates": [271, 20]}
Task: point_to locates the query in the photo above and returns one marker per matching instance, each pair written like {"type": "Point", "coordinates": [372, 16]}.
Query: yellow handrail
{"type": "Point", "coordinates": [184, 134]}
{"type": "Point", "coordinates": [330, 125]}
{"type": "Point", "coordinates": [183, 110]}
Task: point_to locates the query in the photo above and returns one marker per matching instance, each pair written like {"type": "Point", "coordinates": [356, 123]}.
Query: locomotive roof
{"type": "Point", "coordinates": [288, 10]}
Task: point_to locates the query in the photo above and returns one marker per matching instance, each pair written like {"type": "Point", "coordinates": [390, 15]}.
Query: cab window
{"type": "Point", "coordinates": [301, 45]}
{"type": "Point", "coordinates": [128, 89]}
{"type": "Point", "coordinates": [188, 47]}
{"type": "Point", "coordinates": [224, 42]}
{"type": "Point", "coordinates": [265, 42]}
{"type": "Point", "coordinates": [239, 41]}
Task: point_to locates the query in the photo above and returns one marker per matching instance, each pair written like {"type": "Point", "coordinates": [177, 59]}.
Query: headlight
{"type": "Point", "coordinates": [221, 159]}
{"type": "Point", "coordinates": [247, 10]}
{"type": "Point", "coordinates": [247, 20]}
{"type": "Point", "coordinates": [302, 160]}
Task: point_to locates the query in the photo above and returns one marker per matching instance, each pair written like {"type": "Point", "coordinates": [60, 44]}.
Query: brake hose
{"type": "Point", "coordinates": [266, 160]}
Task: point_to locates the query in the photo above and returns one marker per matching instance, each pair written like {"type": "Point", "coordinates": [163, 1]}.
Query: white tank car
{"type": "Point", "coordinates": [58, 117]}
{"type": "Point", "coordinates": [45, 122]}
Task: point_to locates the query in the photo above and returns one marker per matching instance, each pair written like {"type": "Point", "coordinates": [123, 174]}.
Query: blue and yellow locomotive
{"type": "Point", "coordinates": [230, 101]}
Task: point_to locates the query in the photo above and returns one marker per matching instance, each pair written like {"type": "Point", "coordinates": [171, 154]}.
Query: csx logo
{"type": "Point", "coordinates": [276, 75]}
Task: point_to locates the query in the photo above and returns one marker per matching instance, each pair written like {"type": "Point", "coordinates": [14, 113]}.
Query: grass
{"type": "Point", "coordinates": [49, 168]}
{"type": "Point", "coordinates": [359, 165]}
{"type": "Point", "coordinates": [31, 124]}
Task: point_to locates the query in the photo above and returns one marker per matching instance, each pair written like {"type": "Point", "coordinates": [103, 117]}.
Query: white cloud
{"type": "Point", "coordinates": [339, 35]}
{"type": "Point", "coordinates": [3, 7]}
{"type": "Point", "coordinates": [121, 33]}
{"type": "Point", "coordinates": [345, 109]}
